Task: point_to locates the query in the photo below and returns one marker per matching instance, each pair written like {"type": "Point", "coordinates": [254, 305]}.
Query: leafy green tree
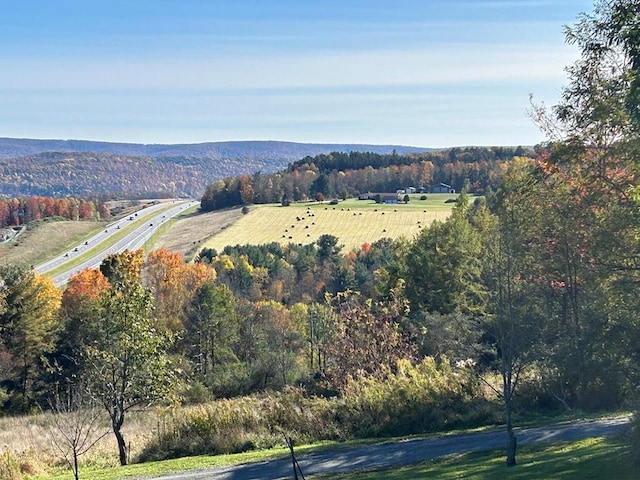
{"type": "Point", "coordinates": [443, 264]}
{"type": "Point", "coordinates": [126, 365]}
{"type": "Point", "coordinates": [601, 100]}
{"type": "Point", "coordinates": [271, 344]}
{"type": "Point", "coordinates": [341, 278]}
{"type": "Point", "coordinates": [593, 159]}
{"type": "Point", "coordinates": [321, 185]}
{"type": "Point", "coordinates": [328, 248]}
{"type": "Point", "coordinates": [211, 327]}
{"type": "Point", "coordinates": [514, 318]}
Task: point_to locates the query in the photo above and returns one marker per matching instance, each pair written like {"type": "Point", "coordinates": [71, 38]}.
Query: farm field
{"type": "Point", "coordinates": [353, 221]}
{"type": "Point", "coordinates": [186, 233]}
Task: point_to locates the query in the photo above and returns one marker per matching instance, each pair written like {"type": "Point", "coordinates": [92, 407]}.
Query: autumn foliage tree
{"type": "Point", "coordinates": [173, 283]}
{"type": "Point", "coordinates": [29, 320]}
{"type": "Point", "coordinates": [22, 210]}
{"type": "Point", "coordinates": [366, 337]}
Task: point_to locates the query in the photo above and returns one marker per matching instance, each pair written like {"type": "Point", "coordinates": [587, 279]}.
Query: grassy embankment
{"type": "Point", "coordinates": [45, 239]}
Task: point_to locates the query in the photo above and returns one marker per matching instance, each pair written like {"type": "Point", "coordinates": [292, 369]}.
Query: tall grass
{"type": "Point", "coordinates": [409, 399]}
{"type": "Point", "coordinates": [428, 397]}
{"type": "Point", "coordinates": [27, 444]}
{"type": "Point", "coordinates": [412, 399]}
{"type": "Point", "coordinates": [242, 424]}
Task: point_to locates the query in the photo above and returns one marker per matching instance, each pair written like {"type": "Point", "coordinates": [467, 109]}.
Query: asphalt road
{"type": "Point", "coordinates": [147, 221]}
{"type": "Point", "coordinates": [400, 453]}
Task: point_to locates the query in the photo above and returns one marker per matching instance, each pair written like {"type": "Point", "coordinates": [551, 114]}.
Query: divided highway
{"type": "Point", "coordinates": [129, 233]}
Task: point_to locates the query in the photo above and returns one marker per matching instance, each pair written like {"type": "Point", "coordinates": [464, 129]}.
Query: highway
{"type": "Point", "coordinates": [129, 233]}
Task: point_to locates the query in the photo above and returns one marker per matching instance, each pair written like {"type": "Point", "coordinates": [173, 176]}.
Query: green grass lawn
{"type": "Point", "coordinates": [594, 458]}
{"type": "Point", "coordinates": [153, 469]}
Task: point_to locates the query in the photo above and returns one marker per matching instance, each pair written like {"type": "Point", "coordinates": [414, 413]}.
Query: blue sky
{"type": "Point", "coordinates": [411, 72]}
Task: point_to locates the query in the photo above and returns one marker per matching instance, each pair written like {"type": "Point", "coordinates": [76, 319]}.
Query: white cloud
{"type": "Point", "coordinates": [458, 64]}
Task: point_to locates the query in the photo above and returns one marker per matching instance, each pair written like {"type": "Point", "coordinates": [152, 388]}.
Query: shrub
{"type": "Point", "coordinates": [195, 393]}
{"type": "Point", "coordinates": [423, 197]}
{"type": "Point", "coordinates": [427, 397]}
{"type": "Point", "coordinates": [245, 210]}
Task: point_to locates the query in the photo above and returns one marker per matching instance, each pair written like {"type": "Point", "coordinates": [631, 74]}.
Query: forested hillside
{"type": "Point", "coordinates": [113, 170]}
{"type": "Point", "coordinates": [106, 175]}
{"type": "Point", "coordinates": [240, 150]}
{"type": "Point", "coordinates": [341, 175]}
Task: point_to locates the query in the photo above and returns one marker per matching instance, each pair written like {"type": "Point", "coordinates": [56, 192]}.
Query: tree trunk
{"type": "Point", "coordinates": [116, 422]}
{"type": "Point", "coordinates": [122, 447]}
{"type": "Point", "coordinates": [76, 473]}
{"type": "Point", "coordinates": [511, 438]}
{"type": "Point", "coordinates": [511, 448]}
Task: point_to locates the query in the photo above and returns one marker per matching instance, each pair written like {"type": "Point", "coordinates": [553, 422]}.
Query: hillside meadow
{"type": "Point", "coordinates": [352, 221]}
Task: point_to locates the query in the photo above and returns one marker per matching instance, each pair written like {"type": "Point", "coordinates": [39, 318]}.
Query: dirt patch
{"type": "Point", "coordinates": [187, 234]}
{"type": "Point", "coordinates": [44, 240]}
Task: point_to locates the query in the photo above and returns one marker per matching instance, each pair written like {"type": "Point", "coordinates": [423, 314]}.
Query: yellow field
{"type": "Point", "coordinates": [353, 225]}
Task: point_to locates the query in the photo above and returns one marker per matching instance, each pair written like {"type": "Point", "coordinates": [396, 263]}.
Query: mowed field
{"type": "Point", "coordinates": [353, 222]}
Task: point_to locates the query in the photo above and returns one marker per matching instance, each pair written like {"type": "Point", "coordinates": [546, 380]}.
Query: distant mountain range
{"type": "Point", "coordinates": [257, 150]}
{"type": "Point", "coordinates": [104, 169]}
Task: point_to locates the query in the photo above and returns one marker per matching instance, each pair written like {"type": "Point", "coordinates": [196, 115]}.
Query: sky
{"type": "Point", "coordinates": [426, 73]}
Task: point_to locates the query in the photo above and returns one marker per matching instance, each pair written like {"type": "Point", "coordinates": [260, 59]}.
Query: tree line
{"type": "Point", "coordinates": [341, 175]}
{"type": "Point", "coordinates": [23, 210]}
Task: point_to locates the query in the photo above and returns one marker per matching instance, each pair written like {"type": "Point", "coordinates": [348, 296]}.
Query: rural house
{"type": "Point", "coordinates": [379, 197]}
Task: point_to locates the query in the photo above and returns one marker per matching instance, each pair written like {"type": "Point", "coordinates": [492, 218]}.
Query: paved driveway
{"type": "Point", "coordinates": [402, 452]}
